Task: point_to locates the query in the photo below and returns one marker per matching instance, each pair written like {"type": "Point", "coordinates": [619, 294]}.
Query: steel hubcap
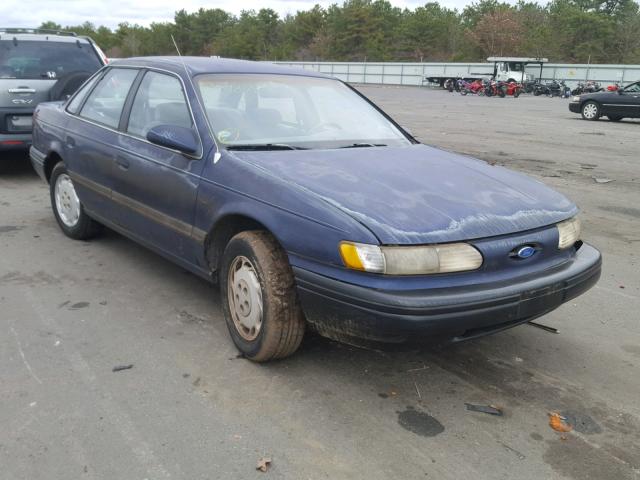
{"type": "Point", "coordinates": [590, 111]}
{"type": "Point", "coordinates": [67, 202]}
{"type": "Point", "coordinates": [245, 298]}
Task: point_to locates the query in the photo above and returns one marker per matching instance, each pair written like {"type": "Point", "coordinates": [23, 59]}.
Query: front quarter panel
{"type": "Point", "coordinates": [305, 225]}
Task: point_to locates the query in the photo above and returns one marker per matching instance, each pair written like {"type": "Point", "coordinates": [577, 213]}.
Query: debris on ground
{"type": "Point", "coordinates": [490, 409]}
{"type": "Point", "coordinates": [558, 423]}
{"type": "Point", "coordinates": [263, 464]}
{"type": "Point", "coordinates": [119, 368]}
{"type": "Point", "coordinates": [602, 180]}
{"type": "Point", "coordinates": [544, 327]}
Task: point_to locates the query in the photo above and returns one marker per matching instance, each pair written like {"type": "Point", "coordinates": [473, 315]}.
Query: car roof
{"type": "Point", "coordinates": [202, 65]}
{"type": "Point", "coordinates": [47, 37]}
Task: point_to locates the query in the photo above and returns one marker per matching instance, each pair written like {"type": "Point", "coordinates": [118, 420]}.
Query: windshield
{"type": "Point", "coordinates": [634, 87]}
{"type": "Point", "coordinates": [290, 111]}
{"type": "Point", "coordinates": [49, 60]}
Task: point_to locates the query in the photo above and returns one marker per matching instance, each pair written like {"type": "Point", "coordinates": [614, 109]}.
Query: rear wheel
{"type": "Point", "coordinates": [259, 297]}
{"type": "Point", "coordinates": [614, 118]}
{"type": "Point", "coordinates": [67, 208]}
{"type": "Point", "coordinates": [591, 111]}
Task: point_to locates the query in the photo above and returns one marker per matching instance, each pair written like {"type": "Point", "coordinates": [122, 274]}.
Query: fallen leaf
{"type": "Point", "coordinates": [556, 421]}
{"type": "Point", "coordinates": [263, 464]}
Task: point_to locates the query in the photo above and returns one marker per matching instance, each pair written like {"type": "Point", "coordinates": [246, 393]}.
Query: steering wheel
{"type": "Point", "coordinates": [322, 126]}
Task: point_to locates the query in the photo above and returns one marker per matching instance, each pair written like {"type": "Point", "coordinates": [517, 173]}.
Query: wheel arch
{"type": "Point", "coordinates": [223, 230]}
{"type": "Point", "coordinates": [50, 161]}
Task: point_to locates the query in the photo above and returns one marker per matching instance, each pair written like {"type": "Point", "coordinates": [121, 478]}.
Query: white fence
{"type": "Point", "coordinates": [416, 73]}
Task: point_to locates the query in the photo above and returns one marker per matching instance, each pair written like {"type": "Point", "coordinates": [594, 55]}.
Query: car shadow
{"type": "Point", "coordinates": [16, 165]}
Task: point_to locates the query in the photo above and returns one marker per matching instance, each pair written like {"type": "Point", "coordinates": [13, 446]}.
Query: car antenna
{"type": "Point", "coordinates": [217, 155]}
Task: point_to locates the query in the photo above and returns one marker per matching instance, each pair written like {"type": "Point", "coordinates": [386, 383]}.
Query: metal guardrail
{"type": "Point", "coordinates": [395, 73]}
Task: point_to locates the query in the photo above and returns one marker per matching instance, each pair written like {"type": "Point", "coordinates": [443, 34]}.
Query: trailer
{"type": "Point", "coordinates": [504, 69]}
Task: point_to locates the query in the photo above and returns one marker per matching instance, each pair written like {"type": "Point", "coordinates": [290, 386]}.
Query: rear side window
{"type": "Point", "coordinates": [74, 105]}
{"type": "Point", "coordinates": [160, 101]}
{"type": "Point", "coordinates": [105, 102]}
{"type": "Point", "coordinates": [25, 59]}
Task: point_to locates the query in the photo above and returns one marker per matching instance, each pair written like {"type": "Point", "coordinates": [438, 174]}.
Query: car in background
{"type": "Point", "coordinates": [39, 66]}
{"type": "Point", "coordinates": [616, 105]}
{"type": "Point", "coordinates": [307, 204]}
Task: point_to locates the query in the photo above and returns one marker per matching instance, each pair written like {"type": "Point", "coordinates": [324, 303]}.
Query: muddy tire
{"type": "Point", "coordinates": [67, 208]}
{"type": "Point", "coordinates": [259, 297]}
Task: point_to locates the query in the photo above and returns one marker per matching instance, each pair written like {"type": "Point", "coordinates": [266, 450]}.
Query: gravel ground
{"type": "Point", "coordinates": [190, 409]}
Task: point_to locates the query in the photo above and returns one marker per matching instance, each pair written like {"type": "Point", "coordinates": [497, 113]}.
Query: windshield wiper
{"type": "Point", "coordinates": [264, 146]}
{"type": "Point", "coordinates": [360, 145]}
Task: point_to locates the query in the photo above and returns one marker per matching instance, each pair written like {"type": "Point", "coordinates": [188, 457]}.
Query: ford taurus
{"type": "Point", "coordinates": [307, 204]}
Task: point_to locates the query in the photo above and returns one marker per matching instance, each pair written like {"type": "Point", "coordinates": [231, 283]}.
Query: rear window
{"type": "Point", "coordinates": [25, 59]}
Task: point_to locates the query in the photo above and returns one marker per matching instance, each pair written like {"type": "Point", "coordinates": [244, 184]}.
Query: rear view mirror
{"type": "Point", "coordinates": [176, 138]}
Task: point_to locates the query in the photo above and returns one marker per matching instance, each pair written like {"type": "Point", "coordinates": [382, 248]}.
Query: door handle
{"type": "Point", "coordinates": [22, 90]}
{"type": "Point", "coordinates": [122, 163]}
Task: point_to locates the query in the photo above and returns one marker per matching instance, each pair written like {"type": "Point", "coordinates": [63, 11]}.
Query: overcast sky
{"type": "Point", "coordinates": [31, 13]}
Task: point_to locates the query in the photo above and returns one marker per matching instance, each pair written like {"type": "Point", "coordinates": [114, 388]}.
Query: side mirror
{"type": "Point", "coordinates": [182, 139]}
{"type": "Point", "coordinates": [620, 91]}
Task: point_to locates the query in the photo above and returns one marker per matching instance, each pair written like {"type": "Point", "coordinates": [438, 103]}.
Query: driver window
{"type": "Point", "coordinates": [160, 100]}
{"type": "Point", "coordinates": [634, 87]}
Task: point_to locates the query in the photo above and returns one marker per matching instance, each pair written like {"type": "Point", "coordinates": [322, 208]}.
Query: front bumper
{"type": "Point", "coordinates": [574, 107]}
{"type": "Point", "coordinates": [341, 310]}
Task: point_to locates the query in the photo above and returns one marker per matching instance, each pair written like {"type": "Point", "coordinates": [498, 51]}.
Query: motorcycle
{"type": "Point", "coordinates": [475, 88]}
{"type": "Point", "coordinates": [530, 85]}
{"type": "Point", "coordinates": [452, 84]}
{"type": "Point", "coordinates": [514, 89]}
{"type": "Point", "coordinates": [613, 88]}
{"type": "Point", "coordinates": [541, 89]}
{"type": "Point", "coordinates": [494, 88]}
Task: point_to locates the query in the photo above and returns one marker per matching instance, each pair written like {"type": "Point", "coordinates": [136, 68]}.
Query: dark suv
{"type": "Point", "coordinates": [39, 66]}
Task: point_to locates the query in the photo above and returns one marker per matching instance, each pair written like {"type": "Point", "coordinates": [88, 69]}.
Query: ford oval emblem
{"type": "Point", "coordinates": [525, 252]}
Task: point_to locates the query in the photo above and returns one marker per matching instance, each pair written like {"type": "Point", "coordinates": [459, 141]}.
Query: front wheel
{"type": "Point", "coordinates": [591, 111]}
{"type": "Point", "coordinates": [259, 297]}
{"type": "Point", "coordinates": [67, 208]}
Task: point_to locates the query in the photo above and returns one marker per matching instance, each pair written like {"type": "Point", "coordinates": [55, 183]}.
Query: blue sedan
{"type": "Point", "coordinates": [307, 204]}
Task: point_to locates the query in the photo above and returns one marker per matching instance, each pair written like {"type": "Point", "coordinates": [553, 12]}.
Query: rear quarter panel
{"type": "Point", "coordinates": [49, 126]}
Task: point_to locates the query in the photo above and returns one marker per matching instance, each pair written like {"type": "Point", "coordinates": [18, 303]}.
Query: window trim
{"type": "Point", "coordinates": [84, 102]}
{"type": "Point", "coordinates": [120, 132]}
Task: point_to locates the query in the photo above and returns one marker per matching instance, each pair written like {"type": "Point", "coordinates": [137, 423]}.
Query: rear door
{"type": "Point", "coordinates": [92, 135]}
{"type": "Point", "coordinates": [155, 187]}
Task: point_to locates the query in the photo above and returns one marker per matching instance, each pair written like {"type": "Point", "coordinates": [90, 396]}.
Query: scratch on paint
{"type": "Point", "coordinates": [24, 359]}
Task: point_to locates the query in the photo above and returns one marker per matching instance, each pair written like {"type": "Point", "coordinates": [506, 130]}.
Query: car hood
{"type": "Point", "coordinates": [418, 194]}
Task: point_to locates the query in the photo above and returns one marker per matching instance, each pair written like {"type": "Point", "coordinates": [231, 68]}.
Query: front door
{"type": "Point", "coordinates": [155, 188]}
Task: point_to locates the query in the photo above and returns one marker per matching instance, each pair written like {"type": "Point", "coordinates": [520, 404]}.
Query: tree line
{"type": "Point", "coordinates": [572, 31]}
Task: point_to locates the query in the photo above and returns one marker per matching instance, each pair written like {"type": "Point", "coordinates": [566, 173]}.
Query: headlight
{"type": "Point", "coordinates": [575, 99]}
{"type": "Point", "coordinates": [568, 232]}
{"type": "Point", "coordinates": [454, 257]}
